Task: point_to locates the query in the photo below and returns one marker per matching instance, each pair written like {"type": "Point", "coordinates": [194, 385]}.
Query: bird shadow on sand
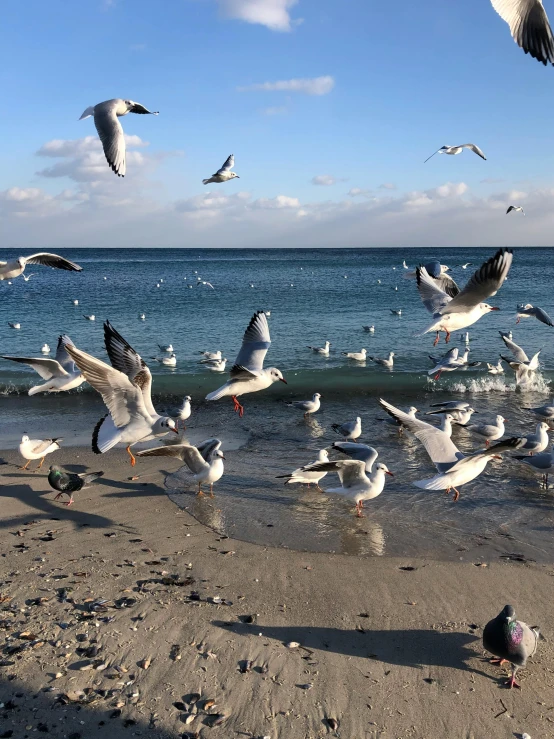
{"type": "Point", "coordinates": [417, 648]}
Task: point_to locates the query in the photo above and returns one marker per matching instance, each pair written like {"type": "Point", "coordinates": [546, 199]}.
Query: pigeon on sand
{"type": "Point", "coordinates": [248, 374]}
{"type": "Point", "coordinates": [510, 640]}
{"type": "Point", "coordinates": [69, 482]}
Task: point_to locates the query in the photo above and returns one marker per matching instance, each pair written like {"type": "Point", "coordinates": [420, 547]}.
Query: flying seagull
{"type": "Point", "coordinates": [529, 311]}
{"type": "Point", "coordinates": [529, 27]}
{"type": "Point", "coordinates": [453, 150]}
{"type": "Point", "coordinates": [224, 174]}
{"type": "Point", "coordinates": [11, 270]}
{"type": "Point", "coordinates": [516, 208]}
{"type": "Point", "coordinates": [109, 129]}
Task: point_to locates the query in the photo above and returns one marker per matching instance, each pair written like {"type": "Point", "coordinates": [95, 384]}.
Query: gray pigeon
{"type": "Point", "coordinates": [510, 640]}
{"type": "Point", "coordinates": [69, 482]}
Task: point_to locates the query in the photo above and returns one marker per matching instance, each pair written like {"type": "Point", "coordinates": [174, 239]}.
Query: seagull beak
{"type": "Point", "coordinates": [495, 307]}
{"type": "Point", "coordinates": [282, 379]}
{"type": "Point", "coordinates": [222, 457]}
{"type": "Point", "coordinates": [497, 456]}
{"type": "Point", "coordinates": [175, 430]}
{"type": "Point", "coordinates": [390, 473]}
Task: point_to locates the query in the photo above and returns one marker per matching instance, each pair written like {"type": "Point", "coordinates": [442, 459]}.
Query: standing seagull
{"type": "Point", "coordinates": [182, 413]}
{"type": "Point", "coordinates": [307, 478]}
{"type": "Point", "coordinates": [543, 463]}
{"type": "Point", "coordinates": [248, 374]}
{"type": "Point", "coordinates": [529, 27]}
{"type": "Point", "coordinates": [69, 482]}
{"type": "Point", "coordinates": [362, 452]}
{"type": "Point", "coordinates": [510, 641]}
{"type": "Point", "coordinates": [451, 314]}
{"type": "Point", "coordinates": [11, 270]}
{"type": "Point", "coordinates": [489, 431]}
{"type": "Point", "coordinates": [350, 429]}
{"type": "Point", "coordinates": [537, 442]}
{"type": "Point", "coordinates": [543, 411]}
{"type": "Point", "coordinates": [516, 208]}
{"type": "Point", "coordinates": [529, 311]}
{"type": "Point", "coordinates": [204, 461]}
{"type": "Point", "coordinates": [37, 449]}
{"type": "Point", "coordinates": [60, 373]}
{"type": "Point", "coordinates": [109, 129]}
{"type": "Point", "coordinates": [224, 174]}
{"type": "Point", "coordinates": [453, 150]}
{"type": "Point", "coordinates": [308, 406]}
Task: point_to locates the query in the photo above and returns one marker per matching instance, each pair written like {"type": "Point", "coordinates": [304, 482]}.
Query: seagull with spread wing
{"type": "Point", "coordinates": [521, 364]}
{"type": "Point", "coordinates": [109, 129]}
{"type": "Point", "coordinates": [453, 150]}
{"type": "Point", "coordinates": [224, 174]}
{"type": "Point", "coordinates": [453, 467]}
{"type": "Point", "coordinates": [14, 268]}
{"type": "Point", "coordinates": [126, 390]}
{"type": "Point", "coordinates": [530, 311]}
{"type": "Point", "coordinates": [466, 308]}
{"type": "Point", "coordinates": [204, 461]}
{"type": "Point", "coordinates": [60, 373]}
{"type": "Point", "coordinates": [248, 374]}
{"type": "Point", "coordinates": [516, 208]}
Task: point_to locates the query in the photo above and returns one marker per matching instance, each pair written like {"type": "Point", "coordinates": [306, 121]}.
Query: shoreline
{"type": "Point", "coordinates": [385, 651]}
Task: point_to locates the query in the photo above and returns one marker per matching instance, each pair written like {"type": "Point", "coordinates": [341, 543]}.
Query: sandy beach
{"type": "Point", "coordinates": [124, 616]}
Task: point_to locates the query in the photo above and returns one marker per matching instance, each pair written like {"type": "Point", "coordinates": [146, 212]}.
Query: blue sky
{"type": "Point", "coordinates": [405, 78]}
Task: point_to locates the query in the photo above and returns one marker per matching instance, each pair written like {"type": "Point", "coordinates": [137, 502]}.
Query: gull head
{"type": "Point", "coordinates": [412, 410]}
{"type": "Point", "coordinates": [276, 375]}
{"type": "Point", "coordinates": [500, 419]}
{"type": "Point", "coordinates": [24, 438]}
{"type": "Point", "coordinates": [129, 106]}
{"type": "Point", "coordinates": [165, 424]}
{"type": "Point", "coordinates": [323, 456]}
{"type": "Point", "coordinates": [384, 468]}
{"type": "Point", "coordinates": [486, 308]}
{"type": "Point", "coordinates": [232, 175]}
{"type": "Point", "coordinates": [219, 454]}
{"type": "Point", "coordinates": [317, 396]}
{"type": "Point", "coordinates": [21, 261]}
{"type": "Point", "coordinates": [444, 268]}
{"type": "Point", "coordinates": [187, 397]}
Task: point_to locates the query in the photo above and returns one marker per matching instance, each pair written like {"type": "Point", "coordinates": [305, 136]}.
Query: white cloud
{"type": "Point", "coordinates": [355, 192]}
{"type": "Point", "coordinates": [274, 14]}
{"type": "Point", "coordinates": [387, 186]}
{"type": "Point", "coordinates": [277, 203]}
{"type": "Point", "coordinates": [517, 195]}
{"type": "Point", "coordinates": [307, 86]}
{"type": "Point", "coordinates": [325, 180]}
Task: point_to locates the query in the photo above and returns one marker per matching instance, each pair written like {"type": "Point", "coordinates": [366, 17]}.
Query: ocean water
{"type": "Point", "coordinates": [313, 296]}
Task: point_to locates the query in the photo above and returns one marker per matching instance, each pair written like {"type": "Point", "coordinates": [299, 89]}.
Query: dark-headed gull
{"type": "Point", "coordinates": [126, 390]}
{"type": "Point", "coordinates": [350, 429]}
{"type": "Point", "coordinates": [109, 129]}
{"type": "Point", "coordinates": [516, 208]}
{"type": "Point", "coordinates": [510, 640]}
{"type": "Point", "coordinates": [362, 452]}
{"type": "Point", "coordinates": [205, 461]}
{"type": "Point", "coordinates": [451, 314]}
{"type": "Point", "coordinates": [16, 267]}
{"type": "Point", "coordinates": [300, 476]}
{"type": "Point", "coordinates": [454, 468]}
{"type": "Point", "coordinates": [37, 449]}
{"type": "Point", "coordinates": [529, 27]}
{"type": "Point", "coordinates": [356, 485]}
{"type": "Point", "coordinates": [529, 311]}
{"type": "Point", "coordinates": [248, 374]}
{"type": "Point", "coordinates": [60, 373]}
{"type": "Point", "coordinates": [224, 174]}
{"type": "Point", "coordinates": [307, 406]}
{"type": "Point", "coordinates": [215, 365]}
{"type": "Point", "coordinates": [453, 150]}
{"type": "Point", "coordinates": [69, 482]}
{"type": "Point", "coordinates": [166, 347]}
{"type": "Point", "coordinates": [321, 349]}
{"type": "Point", "coordinates": [14, 324]}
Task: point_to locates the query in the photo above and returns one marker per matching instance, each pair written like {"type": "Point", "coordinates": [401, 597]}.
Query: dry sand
{"type": "Point", "coordinates": [390, 648]}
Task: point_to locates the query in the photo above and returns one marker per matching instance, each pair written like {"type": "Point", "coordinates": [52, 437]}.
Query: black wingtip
{"type": "Point", "coordinates": [95, 433]}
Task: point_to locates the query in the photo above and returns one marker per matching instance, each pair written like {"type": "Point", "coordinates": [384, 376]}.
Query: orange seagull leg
{"type": "Point", "coordinates": [130, 453]}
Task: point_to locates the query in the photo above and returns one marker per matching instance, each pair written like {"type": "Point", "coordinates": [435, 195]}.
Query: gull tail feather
{"type": "Point", "coordinates": [217, 394]}
{"type": "Point", "coordinates": [433, 483]}
{"type": "Point", "coordinates": [205, 182]}
{"type": "Point", "coordinates": [105, 435]}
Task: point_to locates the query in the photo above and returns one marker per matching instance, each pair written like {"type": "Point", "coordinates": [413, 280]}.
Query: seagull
{"type": "Point", "coordinates": [355, 483]}
{"type": "Point", "coordinates": [215, 365]}
{"type": "Point", "coordinates": [537, 442]}
{"type": "Point", "coordinates": [126, 390]}
{"type": "Point", "coordinates": [460, 417]}
{"type": "Point", "coordinates": [28, 277]}
{"type": "Point", "coordinates": [465, 337]}
{"type": "Point", "coordinates": [60, 373]}
{"type": "Point", "coordinates": [92, 317]}
{"type": "Point", "coordinates": [182, 413]}
{"type": "Point", "coordinates": [435, 269]}
{"type": "Point", "coordinates": [211, 355]}
{"type": "Point", "coordinates": [170, 361]}
{"type": "Point", "coordinates": [543, 411]}
{"type": "Point", "coordinates": [507, 334]}
{"type": "Point", "coordinates": [458, 149]}
{"type": "Point", "coordinates": [10, 270]}
{"type": "Point", "coordinates": [451, 314]}
{"type": "Point", "coordinates": [248, 374]}
{"type": "Point", "coordinates": [510, 640]}
{"type": "Point", "coordinates": [358, 356]}
{"type": "Point", "coordinates": [466, 265]}
{"type": "Point", "coordinates": [495, 369]}
{"type": "Point", "coordinates": [521, 364]}
{"type": "Point", "coordinates": [37, 449]}
{"type": "Point", "coordinates": [448, 363]}
{"type": "Point", "coordinates": [386, 362]}
{"type": "Point", "coordinates": [166, 348]}
{"type": "Point", "coordinates": [69, 482]}
{"type": "Point", "coordinates": [204, 282]}
{"type": "Point", "coordinates": [205, 461]}
{"type": "Point", "coordinates": [450, 405]}
{"type": "Point", "coordinates": [516, 208]}
{"type": "Point", "coordinates": [396, 312]}
{"type": "Point", "coordinates": [543, 463]}
{"type": "Point", "coordinates": [392, 420]}
{"type": "Point", "coordinates": [529, 27]}
{"type": "Point", "coordinates": [490, 431]}
{"type": "Point", "coordinates": [45, 349]}
{"type": "Point", "coordinates": [528, 311]}
{"type": "Point", "coordinates": [142, 316]}
{"type": "Point", "coordinates": [307, 478]}
{"type": "Point", "coordinates": [224, 174]}
{"type": "Point", "coordinates": [454, 468]}
{"type": "Point", "coordinates": [15, 326]}
{"type": "Point", "coordinates": [321, 349]}
{"type": "Point", "coordinates": [361, 452]}
{"type": "Point", "coordinates": [350, 429]}
{"type": "Point", "coordinates": [109, 129]}
{"type": "Point", "coordinates": [308, 406]}
{"type": "Point", "coordinates": [369, 329]}
{"type": "Point", "coordinates": [75, 302]}
{"type": "Point", "coordinates": [404, 264]}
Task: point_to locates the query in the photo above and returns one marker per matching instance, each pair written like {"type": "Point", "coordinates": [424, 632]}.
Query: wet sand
{"type": "Point", "coordinates": [390, 647]}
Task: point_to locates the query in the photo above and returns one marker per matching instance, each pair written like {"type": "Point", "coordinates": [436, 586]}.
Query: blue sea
{"type": "Point", "coordinates": [313, 296]}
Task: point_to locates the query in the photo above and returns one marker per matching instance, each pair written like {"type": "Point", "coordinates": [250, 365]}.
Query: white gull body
{"type": "Point", "coordinates": [300, 476]}
{"type": "Point", "coordinates": [16, 267]}
{"type": "Point", "coordinates": [60, 373]}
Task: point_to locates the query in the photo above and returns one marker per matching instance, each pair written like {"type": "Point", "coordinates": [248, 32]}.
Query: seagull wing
{"type": "Point", "coordinates": [208, 447]}
{"type": "Point", "coordinates": [125, 359]}
{"type": "Point", "coordinates": [443, 452]}
{"type": "Point", "coordinates": [46, 368]}
{"type": "Point", "coordinates": [123, 399]}
{"type": "Point", "coordinates": [447, 284]}
{"type": "Point", "coordinates": [516, 350]}
{"type": "Point", "coordinates": [454, 405]}
{"type": "Point", "coordinates": [227, 165]}
{"type": "Point", "coordinates": [529, 27]}
{"type": "Point", "coordinates": [360, 452]}
{"type": "Point", "coordinates": [475, 149]}
{"type": "Point", "coordinates": [484, 283]}
{"type": "Point", "coordinates": [42, 446]}
{"type": "Point", "coordinates": [351, 471]}
{"type": "Point", "coordinates": [111, 135]}
{"type": "Point", "coordinates": [62, 356]}
{"type": "Point", "coordinates": [433, 296]}
{"type": "Point", "coordinates": [52, 260]}
{"type": "Point", "coordinates": [255, 343]}
{"type": "Point", "coordinates": [542, 316]}
{"type": "Point", "coordinates": [177, 450]}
